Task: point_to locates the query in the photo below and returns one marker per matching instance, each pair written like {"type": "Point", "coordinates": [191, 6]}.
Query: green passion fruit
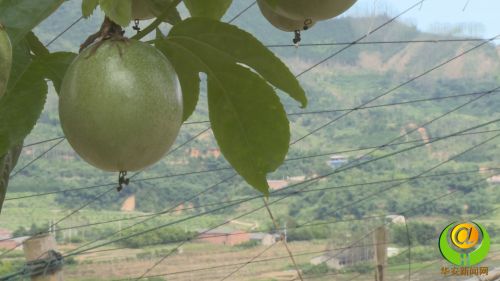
{"type": "Point", "coordinates": [5, 60]}
{"type": "Point", "coordinates": [120, 105]}
{"type": "Point", "coordinates": [314, 10]}
{"type": "Point", "coordinates": [280, 21]}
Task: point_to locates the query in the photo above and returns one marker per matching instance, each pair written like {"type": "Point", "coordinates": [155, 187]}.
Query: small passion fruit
{"type": "Point", "coordinates": [281, 22]}
{"type": "Point", "coordinates": [316, 10]}
{"type": "Point", "coordinates": [120, 105]}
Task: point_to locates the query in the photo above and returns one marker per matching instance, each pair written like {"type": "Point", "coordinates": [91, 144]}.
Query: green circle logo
{"type": "Point", "coordinates": [464, 243]}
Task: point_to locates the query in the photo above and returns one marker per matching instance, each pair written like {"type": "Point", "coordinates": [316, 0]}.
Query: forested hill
{"type": "Point", "coordinates": [352, 77]}
{"type": "Point", "coordinates": [399, 58]}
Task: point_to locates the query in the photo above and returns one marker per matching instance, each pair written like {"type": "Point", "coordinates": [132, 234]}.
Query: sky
{"type": "Point", "coordinates": [481, 17]}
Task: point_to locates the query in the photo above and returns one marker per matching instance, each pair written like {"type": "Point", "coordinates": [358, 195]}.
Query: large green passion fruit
{"type": "Point", "coordinates": [280, 21]}
{"type": "Point", "coordinates": [120, 105]}
{"type": "Point", "coordinates": [315, 10]}
{"type": "Point", "coordinates": [5, 60]}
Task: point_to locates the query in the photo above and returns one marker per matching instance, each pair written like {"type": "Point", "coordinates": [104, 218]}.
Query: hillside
{"type": "Point", "coordinates": [400, 137]}
{"type": "Point", "coordinates": [352, 77]}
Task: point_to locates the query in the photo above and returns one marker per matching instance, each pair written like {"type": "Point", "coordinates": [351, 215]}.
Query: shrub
{"type": "Point", "coordinates": [321, 268]}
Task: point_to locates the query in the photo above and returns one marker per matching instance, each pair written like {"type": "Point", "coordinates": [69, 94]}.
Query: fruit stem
{"type": "Point", "coordinates": [122, 180]}
{"type": "Point", "coordinates": [108, 30]}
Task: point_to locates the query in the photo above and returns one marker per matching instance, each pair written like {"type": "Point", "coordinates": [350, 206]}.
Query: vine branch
{"type": "Point", "coordinates": [109, 29]}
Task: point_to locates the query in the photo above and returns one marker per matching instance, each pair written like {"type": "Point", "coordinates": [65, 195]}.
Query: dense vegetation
{"type": "Point", "coordinates": [353, 77]}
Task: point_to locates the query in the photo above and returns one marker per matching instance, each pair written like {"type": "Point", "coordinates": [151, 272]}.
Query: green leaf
{"type": "Point", "coordinates": [21, 60]}
{"type": "Point", "coordinates": [247, 118]}
{"type": "Point", "coordinates": [21, 16]}
{"type": "Point", "coordinates": [22, 105]}
{"type": "Point", "coordinates": [214, 9]}
{"type": "Point", "coordinates": [159, 34]}
{"type": "Point", "coordinates": [188, 74]}
{"type": "Point", "coordinates": [88, 7]}
{"type": "Point", "coordinates": [35, 45]}
{"type": "Point", "coordinates": [7, 164]}
{"type": "Point", "coordinates": [228, 44]}
{"type": "Point", "coordinates": [119, 11]}
{"type": "Point", "coordinates": [55, 66]}
{"type": "Point", "coordinates": [158, 6]}
{"type": "Point", "coordinates": [249, 123]}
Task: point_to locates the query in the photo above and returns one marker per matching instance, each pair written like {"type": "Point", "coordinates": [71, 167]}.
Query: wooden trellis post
{"type": "Point", "coordinates": [42, 258]}
{"type": "Point", "coordinates": [380, 245]}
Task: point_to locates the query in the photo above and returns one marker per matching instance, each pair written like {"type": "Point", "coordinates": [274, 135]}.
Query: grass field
{"type": "Point", "coordinates": [198, 261]}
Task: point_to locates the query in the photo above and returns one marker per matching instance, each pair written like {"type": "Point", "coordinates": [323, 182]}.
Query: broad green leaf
{"type": "Point", "coordinates": [214, 9]}
{"type": "Point", "coordinates": [159, 34]}
{"type": "Point", "coordinates": [55, 66]}
{"type": "Point", "coordinates": [88, 7]}
{"type": "Point", "coordinates": [229, 45]}
{"type": "Point", "coordinates": [249, 123]}
{"type": "Point", "coordinates": [21, 16]}
{"type": "Point", "coordinates": [35, 45]}
{"type": "Point", "coordinates": [21, 60]}
{"type": "Point", "coordinates": [21, 106]}
{"type": "Point", "coordinates": [119, 11]}
{"type": "Point", "coordinates": [158, 6]}
{"type": "Point", "coordinates": [247, 118]}
{"type": "Point", "coordinates": [188, 74]}
{"type": "Point", "coordinates": [7, 164]}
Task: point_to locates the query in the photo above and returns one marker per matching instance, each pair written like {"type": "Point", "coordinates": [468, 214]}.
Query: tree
{"type": "Point", "coordinates": [420, 233]}
{"type": "Point", "coordinates": [243, 76]}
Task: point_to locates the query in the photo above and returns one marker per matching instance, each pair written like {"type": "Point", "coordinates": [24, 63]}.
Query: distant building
{"type": "Point", "coordinates": [391, 252]}
{"type": "Point", "coordinates": [8, 244]}
{"type": "Point", "coordinates": [179, 210]}
{"type": "Point", "coordinates": [29, 152]}
{"type": "Point", "coordinates": [266, 239]}
{"type": "Point", "coordinates": [224, 237]}
{"type": "Point", "coordinates": [5, 233]}
{"type": "Point", "coordinates": [494, 179]}
{"type": "Point", "coordinates": [214, 152]}
{"type": "Point", "coordinates": [277, 184]}
{"type": "Point", "coordinates": [211, 152]}
{"type": "Point", "coordinates": [68, 157]}
{"type": "Point", "coordinates": [13, 243]}
{"type": "Point", "coordinates": [484, 170]}
{"type": "Point", "coordinates": [194, 153]}
{"type": "Point", "coordinates": [336, 161]}
{"type": "Point", "coordinates": [396, 219]}
{"type": "Point", "coordinates": [296, 179]}
{"type": "Point", "coordinates": [346, 257]}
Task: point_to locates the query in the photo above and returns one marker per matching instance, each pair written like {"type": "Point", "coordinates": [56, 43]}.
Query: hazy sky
{"type": "Point", "coordinates": [481, 16]}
